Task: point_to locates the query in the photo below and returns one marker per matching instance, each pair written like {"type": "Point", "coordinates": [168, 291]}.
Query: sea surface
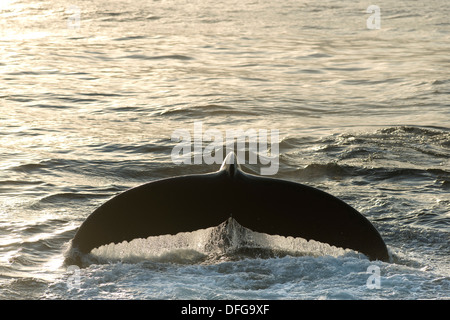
{"type": "Point", "coordinates": [92, 91]}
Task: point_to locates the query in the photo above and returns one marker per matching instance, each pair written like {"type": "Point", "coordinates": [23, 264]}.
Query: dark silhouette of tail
{"type": "Point", "coordinates": [192, 202]}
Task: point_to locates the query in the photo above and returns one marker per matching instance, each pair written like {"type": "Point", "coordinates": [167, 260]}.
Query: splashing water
{"type": "Point", "coordinates": [225, 242]}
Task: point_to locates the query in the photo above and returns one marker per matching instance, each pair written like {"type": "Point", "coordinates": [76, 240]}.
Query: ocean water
{"type": "Point", "coordinates": [92, 91]}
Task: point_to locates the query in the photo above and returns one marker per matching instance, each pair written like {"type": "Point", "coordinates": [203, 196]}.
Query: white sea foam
{"type": "Point", "coordinates": [229, 239]}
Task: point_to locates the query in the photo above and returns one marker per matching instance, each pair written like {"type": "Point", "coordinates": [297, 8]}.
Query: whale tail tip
{"type": "Point", "coordinates": [230, 164]}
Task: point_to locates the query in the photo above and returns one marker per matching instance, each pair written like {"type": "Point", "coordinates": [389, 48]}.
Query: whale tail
{"type": "Point", "coordinates": [262, 204]}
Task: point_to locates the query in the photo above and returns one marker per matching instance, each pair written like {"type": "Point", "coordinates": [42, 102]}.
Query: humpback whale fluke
{"type": "Point", "coordinates": [262, 204]}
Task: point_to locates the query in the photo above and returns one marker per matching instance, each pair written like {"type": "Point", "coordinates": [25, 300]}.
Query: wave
{"type": "Point", "coordinates": [33, 244]}
{"type": "Point", "coordinates": [335, 171]}
{"type": "Point", "coordinates": [396, 152]}
{"type": "Point", "coordinates": [162, 57]}
{"type": "Point", "coordinates": [200, 111]}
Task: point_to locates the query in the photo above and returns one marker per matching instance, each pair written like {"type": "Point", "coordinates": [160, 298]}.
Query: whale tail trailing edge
{"type": "Point", "coordinates": [267, 205]}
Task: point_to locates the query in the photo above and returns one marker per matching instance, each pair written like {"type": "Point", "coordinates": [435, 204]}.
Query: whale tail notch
{"type": "Point", "coordinates": [262, 204]}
